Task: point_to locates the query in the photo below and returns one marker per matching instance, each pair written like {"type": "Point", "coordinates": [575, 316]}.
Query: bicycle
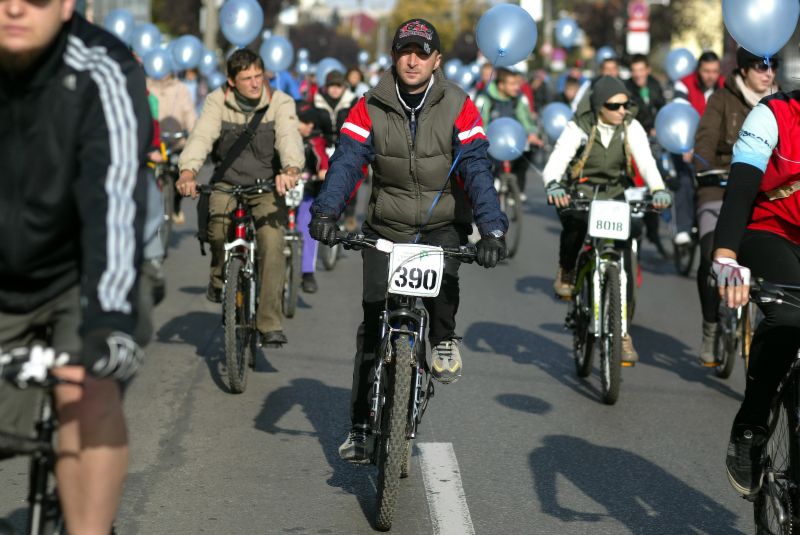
{"type": "Point", "coordinates": [510, 198]}
{"type": "Point", "coordinates": [330, 254]}
{"type": "Point", "coordinates": [167, 173]}
{"type": "Point", "coordinates": [401, 381]}
{"type": "Point", "coordinates": [776, 507]}
{"type": "Point", "coordinates": [293, 251]}
{"type": "Point", "coordinates": [734, 333]}
{"type": "Point", "coordinates": [30, 368]}
{"type": "Point", "coordinates": [598, 311]}
{"type": "Point", "coordinates": [241, 284]}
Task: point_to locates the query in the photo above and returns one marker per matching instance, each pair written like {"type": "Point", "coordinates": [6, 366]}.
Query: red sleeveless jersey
{"type": "Point", "coordinates": [781, 216]}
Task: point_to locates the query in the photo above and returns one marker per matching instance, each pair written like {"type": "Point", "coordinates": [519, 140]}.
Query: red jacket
{"type": "Point", "coordinates": [696, 94]}
{"type": "Point", "coordinates": [781, 216]}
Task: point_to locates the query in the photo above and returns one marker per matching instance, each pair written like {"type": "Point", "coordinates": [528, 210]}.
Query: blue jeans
{"type": "Point", "coordinates": [684, 195]}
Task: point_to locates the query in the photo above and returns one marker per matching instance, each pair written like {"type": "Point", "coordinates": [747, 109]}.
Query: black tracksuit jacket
{"type": "Point", "coordinates": [74, 132]}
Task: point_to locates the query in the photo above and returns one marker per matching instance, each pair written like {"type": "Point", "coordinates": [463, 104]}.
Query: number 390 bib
{"type": "Point", "coordinates": [610, 219]}
{"type": "Point", "coordinates": [416, 270]}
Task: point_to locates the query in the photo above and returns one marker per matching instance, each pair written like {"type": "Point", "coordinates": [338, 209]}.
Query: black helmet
{"type": "Point", "coordinates": [746, 59]}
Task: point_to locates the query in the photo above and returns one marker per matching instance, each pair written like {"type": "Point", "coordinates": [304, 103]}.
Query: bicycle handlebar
{"type": "Point", "coordinates": [581, 204]}
{"type": "Point", "coordinates": [762, 291]}
{"type": "Point", "coordinates": [24, 366]}
{"type": "Point", "coordinates": [464, 253]}
{"type": "Point", "coordinates": [233, 190]}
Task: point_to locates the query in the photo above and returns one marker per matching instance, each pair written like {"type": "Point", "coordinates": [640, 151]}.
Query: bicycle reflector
{"type": "Point", "coordinates": [241, 229]}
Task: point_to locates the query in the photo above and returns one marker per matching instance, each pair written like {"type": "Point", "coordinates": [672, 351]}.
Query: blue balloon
{"type": "Point", "coordinates": [277, 53]}
{"type": "Point", "coordinates": [452, 68]}
{"type": "Point", "coordinates": [187, 51]}
{"type": "Point", "coordinates": [266, 34]}
{"type": "Point", "coordinates": [475, 68]}
{"type": "Point", "coordinates": [676, 125]}
{"type": "Point", "coordinates": [507, 139]}
{"type": "Point", "coordinates": [209, 63]}
{"type": "Point", "coordinates": [506, 35]}
{"type": "Point", "coordinates": [679, 63]}
{"type": "Point", "coordinates": [303, 66]}
{"type": "Point", "coordinates": [567, 32]}
{"type": "Point", "coordinates": [326, 66]}
{"type": "Point", "coordinates": [465, 78]}
{"type": "Point", "coordinates": [603, 53]}
{"type": "Point", "coordinates": [363, 57]}
{"type": "Point", "coordinates": [555, 117]}
{"type": "Point", "coordinates": [145, 37]}
{"type": "Point", "coordinates": [302, 53]}
{"type": "Point", "coordinates": [158, 63]}
{"type": "Point", "coordinates": [761, 26]}
{"type": "Point", "coordinates": [241, 21]}
{"type": "Point", "coordinates": [216, 80]}
{"type": "Point", "coordinates": [384, 61]}
{"type": "Point", "coordinates": [120, 22]}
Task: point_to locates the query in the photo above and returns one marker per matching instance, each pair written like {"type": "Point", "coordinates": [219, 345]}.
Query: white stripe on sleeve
{"type": "Point", "coordinates": [361, 132]}
{"type": "Point", "coordinates": [468, 134]}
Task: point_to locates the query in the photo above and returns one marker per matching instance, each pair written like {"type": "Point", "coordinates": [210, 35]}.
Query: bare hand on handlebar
{"type": "Point", "coordinates": [186, 184]}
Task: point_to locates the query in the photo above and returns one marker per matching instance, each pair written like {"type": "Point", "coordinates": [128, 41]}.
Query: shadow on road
{"type": "Point", "coordinates": [524, 403]}
{"type": "Point", "coordinates": [18, 519]}
{"type": "Point", "coordinates": [634, 491]}
{"type": "Point", "coordinates": [203, 331]}
{"type": "Point", "coordinates": [193, 290]}
{"type": "Point", "coordinates": [533, 284]}
{"type": "Point", "coordinates": [527, 347]}
{"type": "Point", "coordinates": [326, 407]}
{"type": "Point", "coordinates": [663, 351]}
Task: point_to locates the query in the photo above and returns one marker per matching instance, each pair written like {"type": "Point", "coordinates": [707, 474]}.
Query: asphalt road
{"type": "Point", "coordinates": [529, 447]}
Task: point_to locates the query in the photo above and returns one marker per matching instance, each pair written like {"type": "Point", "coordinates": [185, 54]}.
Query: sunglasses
{"type": "Point", "coordinates": [764, 67]}
{"type": "Point", "coordinates": [614, 106]}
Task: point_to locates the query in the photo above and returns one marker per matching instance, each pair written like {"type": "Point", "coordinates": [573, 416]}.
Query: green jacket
{"type": "Point", "coordinates": [494, 105]}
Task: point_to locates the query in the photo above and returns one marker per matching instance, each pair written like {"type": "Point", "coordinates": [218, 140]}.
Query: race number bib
{"type": "Point", "coordinates": [294, 196]}
{"type": "Point", "coordinates": [610, 219]}
{"type": "Point", "coordinates": [416, 270]}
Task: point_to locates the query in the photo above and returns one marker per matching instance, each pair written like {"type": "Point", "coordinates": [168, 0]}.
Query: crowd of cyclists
{"type": "Point", "coordinates": [80, 268]}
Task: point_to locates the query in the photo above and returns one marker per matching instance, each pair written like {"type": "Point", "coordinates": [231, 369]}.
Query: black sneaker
{"type": "Point", "coordinates": [745, 460]}
{"type": "Point", "coordinates": [272, 339]}
{"type": "Point", "coordinates": [357, 448]}
{"type": "Point", "coordinates": [309, 283]}
{"type": "Point", "coordinates": [214, 294]}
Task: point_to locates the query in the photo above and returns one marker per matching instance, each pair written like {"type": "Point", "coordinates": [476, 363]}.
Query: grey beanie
{"type": "Point", "coordinates": [604, 88]}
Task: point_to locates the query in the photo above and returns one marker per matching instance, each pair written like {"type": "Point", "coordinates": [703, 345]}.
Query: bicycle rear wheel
{"type": "Point", "coordinates": [511, 203]}
{"type": "Point", "coordinates": [683, 255]}
{"type": "Point", "coordinates": [239, 332]}
{"type": "Point", "coordinates": [611, 336]}
{"type": "Point", "coordinates": [291, 281]}
{"type": "Point", "coordinates": [776, 505]}
{"type": "Point", "coordinates": [582, 338]}
{"type": "Point", "coordinates": [394, 443]}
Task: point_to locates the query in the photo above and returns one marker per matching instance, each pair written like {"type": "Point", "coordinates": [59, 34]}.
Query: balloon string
{"type": "Point", "coordinates": [478, 119]}
{"type": "Point", "coordinates": [702, 160]}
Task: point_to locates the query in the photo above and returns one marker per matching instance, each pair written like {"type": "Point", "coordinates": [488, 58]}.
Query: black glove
{"type": "Point", "coordinates": [111, 354]}
{"type": "Point", "coordinates": [323, 228]}
{"type": "Point", "coordinates": [490, 251]}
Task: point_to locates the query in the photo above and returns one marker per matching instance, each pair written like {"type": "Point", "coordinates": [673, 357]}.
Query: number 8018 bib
{"type": "Point", "coordinates": [416, 270]}
{"type": "Point", "coordinates": [610, 219]}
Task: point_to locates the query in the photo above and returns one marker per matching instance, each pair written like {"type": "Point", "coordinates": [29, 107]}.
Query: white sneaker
{"type": "Point", "coordinates": [682, 238]}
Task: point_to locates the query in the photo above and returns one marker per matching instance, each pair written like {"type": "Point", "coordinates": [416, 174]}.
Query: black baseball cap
{"type": "Point", "coordinates": [419, 32]}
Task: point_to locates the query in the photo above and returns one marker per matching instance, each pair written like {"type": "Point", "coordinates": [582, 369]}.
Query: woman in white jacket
{"type": "Point", "coordinates": [596, 152]}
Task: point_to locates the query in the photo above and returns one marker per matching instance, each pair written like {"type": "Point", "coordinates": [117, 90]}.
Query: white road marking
{"type": "Point", "coordinates": [446, 499]}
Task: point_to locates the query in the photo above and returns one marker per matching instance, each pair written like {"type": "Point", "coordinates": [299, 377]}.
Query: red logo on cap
{"type": "Point", "coordinates": [417, 28]}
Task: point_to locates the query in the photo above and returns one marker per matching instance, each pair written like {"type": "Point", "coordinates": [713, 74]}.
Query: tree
{"type": "Point", "coordinates": [442, 14]}
{"type": "Point", "coordinates": [322, 41]}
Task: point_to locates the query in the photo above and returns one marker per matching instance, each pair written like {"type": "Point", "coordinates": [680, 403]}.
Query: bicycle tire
{"type": "Point", "coordinates": [405, 469]}
{"type": "Point", "coordinates": [167, 183]}
{"type": "Point", "coordinates": [238, 325]}
{"type": "Point", "coordinates": [611, 336]}
{"type": "Point", "coordinates": [783, 458]}
{"type": "Point", "coordinates": [751, 317]}
{"type": "Point", "coordinates": [725, 347]}
{"type": "Point", "coordinates": [291, 280]}
{"type": "Point", "coordinates": [511, 204]}
{"type": "Point", "coordinates": [582, 339]}
{"type": "Point", "coordinates": [329, 255]}
{"type": "Point", "coordinates": [394, 439]}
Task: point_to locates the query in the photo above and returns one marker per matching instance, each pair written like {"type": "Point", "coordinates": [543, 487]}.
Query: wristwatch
{"type": "Point", "coordinates": [496, 234]}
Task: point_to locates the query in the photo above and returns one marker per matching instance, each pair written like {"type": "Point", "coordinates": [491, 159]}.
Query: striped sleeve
{"type": "Point", "coordinates": [112, 183]}
{"type": "Point", "coordinates": [469, 125]}
{"type": "Point", "coordinates": [358, 124]}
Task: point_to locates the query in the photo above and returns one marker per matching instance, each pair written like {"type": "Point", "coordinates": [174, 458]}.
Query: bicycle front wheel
{"type": "Point", "coordinates": [582, 338]}
{"type": "Point", "coordinates": [167, 184]}
{"type": "Point", "coordinates": [394, 442]}
{"type": "Point", "coordinates": [239, 333]}
{"type": "Point", "coordinates": [291, 281]}
{"type": "Point", "coordinates": [683, 255]}
{"type": "Point", "coordinates": [329, 255]}
{"type": "Point", "coordinates": [776, 506]}
{"type": "Point", "coordinates": [726, 344]}
{"type": "Point", "coordinates": [511, 203]}
{"type": "Point", "coordinates": [611, 336]}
